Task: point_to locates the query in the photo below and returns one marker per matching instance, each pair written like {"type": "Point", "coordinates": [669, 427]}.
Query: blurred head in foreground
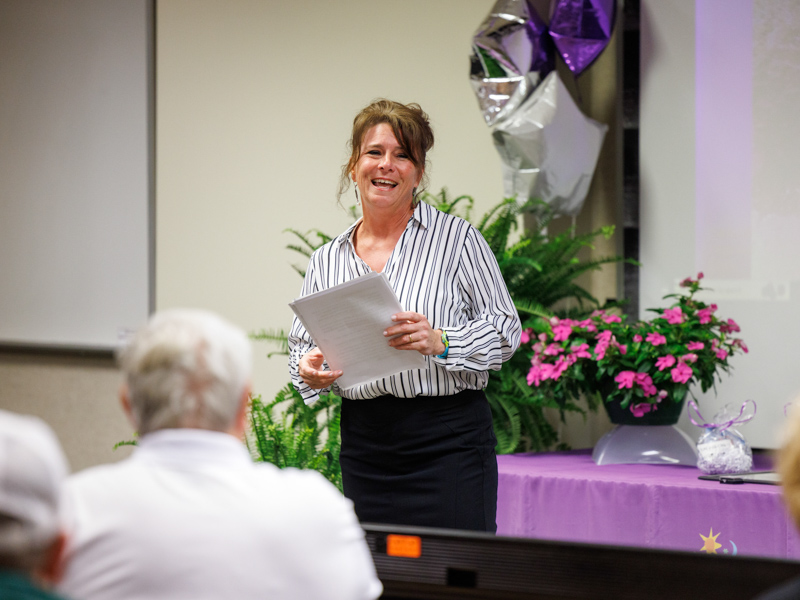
{"type": "Point", "coordinates": [187, 369]}
{"type": "Point", "coordinates": [788, 462]}
{"type": "Point", "coordinates": [32, 469]}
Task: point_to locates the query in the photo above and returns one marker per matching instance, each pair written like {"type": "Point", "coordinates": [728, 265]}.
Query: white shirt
{"type": "Point", "coordinates": [189, 516]}
{"type": "Point", "coordinates": [442, 268]}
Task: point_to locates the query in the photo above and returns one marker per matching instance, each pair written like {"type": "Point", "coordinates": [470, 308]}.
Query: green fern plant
{"type": "Point", "coordinates": [287, 433]}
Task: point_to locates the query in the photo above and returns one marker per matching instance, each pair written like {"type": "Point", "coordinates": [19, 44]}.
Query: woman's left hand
{"type": "Point", "coordinates": [414, 332]}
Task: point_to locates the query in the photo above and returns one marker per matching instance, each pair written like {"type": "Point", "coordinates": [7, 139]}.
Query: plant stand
{"type": "Point", "coordinates": [645, 444]}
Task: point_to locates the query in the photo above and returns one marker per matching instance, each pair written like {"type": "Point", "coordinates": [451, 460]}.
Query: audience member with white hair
{"type": "Point", "coordinates": [189, 514]}
{"type": "Point", "coordinates": [32, 470]}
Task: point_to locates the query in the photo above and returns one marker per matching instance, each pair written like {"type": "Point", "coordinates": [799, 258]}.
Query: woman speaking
{"type": "Point", "coordinates": [417, 447]}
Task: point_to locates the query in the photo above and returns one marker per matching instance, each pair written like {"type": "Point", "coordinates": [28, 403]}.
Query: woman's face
{"type": "Point", "coordinates": [384, 173]}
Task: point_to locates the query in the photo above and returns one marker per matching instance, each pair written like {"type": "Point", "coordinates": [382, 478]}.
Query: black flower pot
{"type": "Point", "coordinates": [667, 413]}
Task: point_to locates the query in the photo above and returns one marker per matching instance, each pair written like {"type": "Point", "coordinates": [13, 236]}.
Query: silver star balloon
{"type": "Point", "coordinates": [511, 54]}
{"type": "Point", "coordinates": [549, 148]}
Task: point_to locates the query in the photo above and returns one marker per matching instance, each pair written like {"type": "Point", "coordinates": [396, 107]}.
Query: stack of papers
{"type": "Point", "coordinates": [347, 322]}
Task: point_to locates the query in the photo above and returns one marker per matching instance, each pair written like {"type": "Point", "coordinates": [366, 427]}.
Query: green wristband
{"type": "Point", "coordinates": [446, 343]}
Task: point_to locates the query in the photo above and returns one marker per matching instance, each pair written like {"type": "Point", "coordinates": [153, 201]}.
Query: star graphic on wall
{"type": "Point", "coordinates": [710, 545]}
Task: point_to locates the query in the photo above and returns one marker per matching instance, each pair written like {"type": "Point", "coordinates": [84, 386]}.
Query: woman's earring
{"type": "Point", "coordinates": [414, 197]}
{"type": "Point", "coordinates": [355, 191]}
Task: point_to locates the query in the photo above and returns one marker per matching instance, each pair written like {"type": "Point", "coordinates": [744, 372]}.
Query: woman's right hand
{"type": "Point", "coordinates": [310, 370]}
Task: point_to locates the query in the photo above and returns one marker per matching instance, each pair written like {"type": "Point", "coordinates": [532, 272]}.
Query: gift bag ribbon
{"type": "Point", "coordinates": [740, 419]}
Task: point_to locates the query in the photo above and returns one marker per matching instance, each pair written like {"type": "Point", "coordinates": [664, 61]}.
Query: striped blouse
{"type": "Point", "coordinates": [442, 268]}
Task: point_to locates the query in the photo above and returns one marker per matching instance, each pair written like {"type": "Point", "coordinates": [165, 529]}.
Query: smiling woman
{"type": "Point", "coordinates": [417, 447]}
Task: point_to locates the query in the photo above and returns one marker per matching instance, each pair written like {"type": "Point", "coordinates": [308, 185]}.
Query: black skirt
{"type": "Point", "coordinates": [426, 461]}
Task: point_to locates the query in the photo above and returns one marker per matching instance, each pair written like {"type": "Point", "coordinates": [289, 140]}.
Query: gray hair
{"type": "Point", "coordinates": [186, 369]}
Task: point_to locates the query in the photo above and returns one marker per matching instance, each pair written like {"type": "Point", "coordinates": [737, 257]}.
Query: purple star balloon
{"type": "Point", "coordinates": [581, 29]}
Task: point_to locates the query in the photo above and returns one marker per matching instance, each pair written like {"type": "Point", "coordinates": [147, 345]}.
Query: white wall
{"type": "Point", "coordinates": [720, 187]}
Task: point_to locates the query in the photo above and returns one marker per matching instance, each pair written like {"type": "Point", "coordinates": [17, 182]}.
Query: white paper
{"type": "Point", "coordinates": [347, 322]}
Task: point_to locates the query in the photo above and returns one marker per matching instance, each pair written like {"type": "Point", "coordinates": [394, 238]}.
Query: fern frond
{"type": "Point", "coordinates": [275, 336]}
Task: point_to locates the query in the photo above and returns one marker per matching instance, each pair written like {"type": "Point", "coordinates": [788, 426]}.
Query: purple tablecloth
{"type": "Point", "coordinates": [565, 496]}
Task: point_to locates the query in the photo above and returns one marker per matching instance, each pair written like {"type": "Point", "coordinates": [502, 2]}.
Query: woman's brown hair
{"type": "Point", "coordinates": [411, 128]}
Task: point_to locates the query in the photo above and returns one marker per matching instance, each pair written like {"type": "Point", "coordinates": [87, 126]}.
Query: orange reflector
{"type": "Point", "coordinates": [408, 546]}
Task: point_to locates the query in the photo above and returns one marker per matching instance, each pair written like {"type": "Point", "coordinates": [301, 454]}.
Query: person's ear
{"type": "Point", "coordinates": [52, 569]}
{"type": "Point", "coordinates": [239, 426]}
{"type": "Point", "coordinates": [125, 402]}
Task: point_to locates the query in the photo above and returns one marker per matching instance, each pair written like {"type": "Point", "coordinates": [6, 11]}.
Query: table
{"type": "Point", "coordinates": [566, 496]}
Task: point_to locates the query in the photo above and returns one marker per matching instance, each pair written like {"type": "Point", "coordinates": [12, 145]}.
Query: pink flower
{"type": "Point", "coordinates": [722, 354]}
{"type": "Point", "coordinates": [612, 319]}
{"type": "Point", "coordinates": [561, 332]}
{"type": "Point", "coordinates": [539, 372]}
{"type": "Point", "coordinates": [542, 337]}
{"type": "Point", "coordinates": [639, 410]}
{"type": "Point", "coordinates": [581, 351]}
{"type": "Point", "coordinates": [525, 337]}
{"type": "Point", "coordinates": [674, 316]}
{"type": "Point", "coordinates": [637, 338]}
{"type": "Point", "coordinates": [656, 338]}
{"type": "Point", "coordinates": [603, 341]}
{"type": "Point", "coordinates": [730, 326]}
{"type": "Point", "coordinates": [646, 383]}
{"type": "Point", "coordinates": [662, 394]}
{"type": "Point", "coordinates": [688, 282]}
{"type": "Point", "coordinates": [689, 358]}
{"type": "Point", "coordinates": [704, 315]}
{"type": "Point", "coordinates": [695, 346]}
{"type": "Point", "coordinates": [665, 362]}
{"type": "Point", "coordinates": [681, 373]}
{"type": "Point", "coordinates": [623, 348]}
{"type": "Point", "coordinates": [547, 371]}
{"type": "Point", "coordinates": [738, 343]}
{"type": "Point", "coordinates": [559, 368]}
{"type": "Point", "coordinates": [605, 336]}
{"type": "Point", "coordinates": [625, 379]}
{"type": "Point", "coordinates": [535, 375]}
{"type": "Point", "coordinates": [553, 350]}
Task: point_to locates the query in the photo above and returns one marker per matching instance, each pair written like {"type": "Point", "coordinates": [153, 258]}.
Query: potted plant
{"type": "Point", "coordinates": [541, 271]}
{"type": "Point", "coordinates": [640, 371]}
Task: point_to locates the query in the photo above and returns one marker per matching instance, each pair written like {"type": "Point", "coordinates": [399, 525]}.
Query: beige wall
{"type": "Point", "coordinates": [255, 99]}
{"type": "Point", "coordinates": [77, 396]}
